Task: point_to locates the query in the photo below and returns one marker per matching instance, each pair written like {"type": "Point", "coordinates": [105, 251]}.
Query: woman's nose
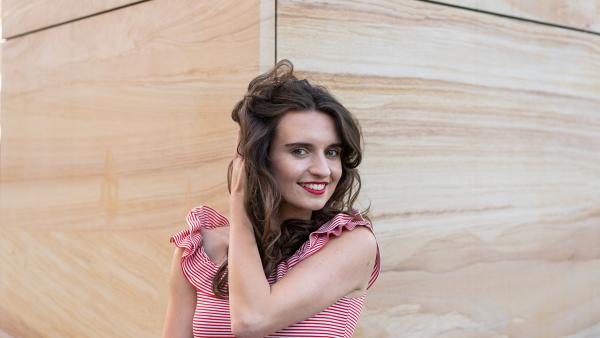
{"type": "Point", "coordinates": [320, 166]}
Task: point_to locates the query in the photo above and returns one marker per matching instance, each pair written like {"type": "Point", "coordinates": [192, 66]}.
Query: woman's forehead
{"type": "Point", "coordinates": [306, 127]}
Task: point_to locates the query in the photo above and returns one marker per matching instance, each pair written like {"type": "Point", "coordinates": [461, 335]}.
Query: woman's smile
{"type": "Point", "coordinates": [316, 189]}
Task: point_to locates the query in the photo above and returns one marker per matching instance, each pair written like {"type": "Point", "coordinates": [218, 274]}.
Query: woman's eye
{"type": "Point", "coordinates": [302, 152]}
{"type": "Point", "coordinates": [335, 152]}
{"type": "Point", "coordinates": [298, 151]}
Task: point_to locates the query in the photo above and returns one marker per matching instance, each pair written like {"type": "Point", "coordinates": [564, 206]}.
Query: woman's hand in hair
{"type": "Point", "coordinates": [238, 182]}
{"type": "Point", "coordinates": [238, 176]}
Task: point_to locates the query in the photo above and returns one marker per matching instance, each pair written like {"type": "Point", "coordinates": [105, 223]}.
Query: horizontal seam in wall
{"type": "Point", "coordinates": [512, 17]}
{"type": "Point", "coordinates": [72, 20]}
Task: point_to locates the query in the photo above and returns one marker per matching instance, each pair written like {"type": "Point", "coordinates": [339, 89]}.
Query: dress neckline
{"type": "Point", "coordinates": [209, 217]}
{"type": "Point", "coordinates": [216, 266]}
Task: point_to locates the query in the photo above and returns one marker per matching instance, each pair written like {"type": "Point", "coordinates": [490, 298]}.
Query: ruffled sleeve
{"type": "Point", "coordinates": [190, 240]}
{"type": "Point", "coordinates": [341, 222]}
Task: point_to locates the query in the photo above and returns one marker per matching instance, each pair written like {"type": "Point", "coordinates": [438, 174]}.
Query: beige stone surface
{"type": "Point", "coordinates": [482, 163]}
{"type": "Point", "coordinates": [113, 128]}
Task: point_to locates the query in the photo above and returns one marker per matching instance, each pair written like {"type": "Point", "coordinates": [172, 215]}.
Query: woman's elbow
{"type": "Point", "coordinates": [247, 329]}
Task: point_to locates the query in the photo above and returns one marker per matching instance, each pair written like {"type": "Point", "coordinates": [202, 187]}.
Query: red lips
{"type": "Point", "coordinates": [312, 191]}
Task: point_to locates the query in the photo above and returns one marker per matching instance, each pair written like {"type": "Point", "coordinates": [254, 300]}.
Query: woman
{"type": "Point", "coordinates": [297, 259]}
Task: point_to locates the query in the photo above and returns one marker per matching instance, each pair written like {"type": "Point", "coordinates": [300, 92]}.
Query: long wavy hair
{"type": "Point", "coordinates": [268, 98]}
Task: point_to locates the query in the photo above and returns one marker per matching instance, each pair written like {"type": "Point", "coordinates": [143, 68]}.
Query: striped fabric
{"type": "Point", "coordinates": [211, 318]}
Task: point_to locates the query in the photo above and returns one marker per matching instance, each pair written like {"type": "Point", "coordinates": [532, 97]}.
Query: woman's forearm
{"type": "Point", "coordinates": [249, 289]}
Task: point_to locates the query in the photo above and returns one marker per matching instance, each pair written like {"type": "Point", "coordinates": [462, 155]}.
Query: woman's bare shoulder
{"type": "Point", "coordinates": [215, 243]}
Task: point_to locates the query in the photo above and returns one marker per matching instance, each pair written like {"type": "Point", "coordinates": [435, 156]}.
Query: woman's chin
{"type": "Point", "coordinates": [311, 206]}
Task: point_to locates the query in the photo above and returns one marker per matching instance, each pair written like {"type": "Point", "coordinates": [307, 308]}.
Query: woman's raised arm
{"type": "Point", "coordinates": [182, 302]}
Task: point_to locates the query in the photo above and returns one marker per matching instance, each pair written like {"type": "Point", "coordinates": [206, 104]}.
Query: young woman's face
{"type": "Point", "coordinates": [305, 159]}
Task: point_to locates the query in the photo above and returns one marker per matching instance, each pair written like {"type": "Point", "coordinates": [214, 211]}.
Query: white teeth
{"type": "Point", "coordinates": [314, 186]}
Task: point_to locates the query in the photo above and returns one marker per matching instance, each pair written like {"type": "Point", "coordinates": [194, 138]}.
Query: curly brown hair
{"type": "Point", "coordinates": [269, 97]}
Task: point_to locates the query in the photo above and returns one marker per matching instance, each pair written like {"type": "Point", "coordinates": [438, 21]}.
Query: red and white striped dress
{"type": "Point", "coordinates": [211, 317]}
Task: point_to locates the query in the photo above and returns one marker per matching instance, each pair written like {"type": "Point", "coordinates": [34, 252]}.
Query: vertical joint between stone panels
{"type": "Point", "coordinates": [275, 28]}
{"type": "Point", "coordinates": [268, 35]}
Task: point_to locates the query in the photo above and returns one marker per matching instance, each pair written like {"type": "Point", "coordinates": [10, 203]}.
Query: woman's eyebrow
{"type": "Point", "coordinates": [308, 145]}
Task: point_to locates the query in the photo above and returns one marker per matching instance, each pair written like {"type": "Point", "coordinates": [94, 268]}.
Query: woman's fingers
{"type": "Point", "coordinates": [238, 165]}
{"type": "Point", "coordinates": [238, 172]}
{"type": "Point", "coordinates": [237, 142]}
